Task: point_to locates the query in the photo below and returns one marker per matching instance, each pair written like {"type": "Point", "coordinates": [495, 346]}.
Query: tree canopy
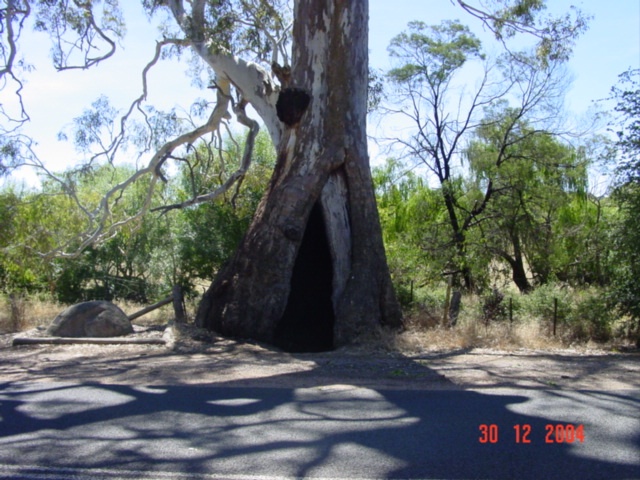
{"type": "Point", "coordinates": [232, 42]}
{"type": "Point", "coordinates": [514, 90]}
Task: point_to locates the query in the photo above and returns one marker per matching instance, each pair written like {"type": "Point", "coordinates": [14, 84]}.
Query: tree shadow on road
{"type": "Point", "coordinates": [322, 427]}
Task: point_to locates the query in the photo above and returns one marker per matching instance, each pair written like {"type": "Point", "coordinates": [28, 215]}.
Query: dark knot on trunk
{"type": "Point", "coordinates": [291, 105]}
{"type": "Point", "coordinates": [293, 233]}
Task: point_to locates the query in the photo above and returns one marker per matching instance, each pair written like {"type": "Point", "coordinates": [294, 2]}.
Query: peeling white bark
{"type": "Point", "coordinates": [338, 229]}
{"type": "Point", "coordinates": [253, 82]}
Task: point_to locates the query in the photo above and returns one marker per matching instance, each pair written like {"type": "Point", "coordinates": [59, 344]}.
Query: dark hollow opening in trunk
{"type": "Point", "coordinates": [307, 322]}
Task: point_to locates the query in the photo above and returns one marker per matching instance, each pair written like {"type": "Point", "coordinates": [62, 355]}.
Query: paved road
{"type": "Point", "coordinates": [56, 431]}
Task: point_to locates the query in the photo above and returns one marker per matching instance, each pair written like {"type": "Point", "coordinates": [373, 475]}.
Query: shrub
{"type": "Point", "coordinates": [493, 307]}
{"type": "Point", "coordinates": [591, 317]}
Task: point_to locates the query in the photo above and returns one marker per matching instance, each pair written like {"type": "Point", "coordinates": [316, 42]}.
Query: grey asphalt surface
{"type": "Point", "coordinates": [64, 431]}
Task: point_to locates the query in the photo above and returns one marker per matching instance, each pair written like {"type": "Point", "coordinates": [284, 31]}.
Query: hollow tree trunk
{"type": "Point", "coordinates": [311, 272]}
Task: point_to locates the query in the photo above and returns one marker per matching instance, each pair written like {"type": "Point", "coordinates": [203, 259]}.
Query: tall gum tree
{"type": "Point", "coordinates": [311, 272]}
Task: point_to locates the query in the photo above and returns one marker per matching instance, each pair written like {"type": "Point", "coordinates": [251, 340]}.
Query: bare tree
{"type": "Point", "coordinates": [443, 116]}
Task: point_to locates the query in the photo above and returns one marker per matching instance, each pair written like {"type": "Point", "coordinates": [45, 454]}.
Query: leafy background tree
{"type": "Point", "coordinates": [212, 231]}
{"type": "Point", "coordinates": [495, 192]}
{"type": "Point", "coordinates": [516, 88]}
{"type": "Point", "coordinates": [535, 179]}
{"type": "Point", "coordinates": [627, 193]}
{"type": "Point", "coordinates": [145, 259]}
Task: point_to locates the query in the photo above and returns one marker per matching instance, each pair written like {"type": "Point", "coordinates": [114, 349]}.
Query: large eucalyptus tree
{"type": "Point", "coordinates": [311, 271]}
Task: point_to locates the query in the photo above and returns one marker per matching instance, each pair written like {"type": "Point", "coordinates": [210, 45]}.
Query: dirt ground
{"type": "Point", "coordinates": [196, 357]}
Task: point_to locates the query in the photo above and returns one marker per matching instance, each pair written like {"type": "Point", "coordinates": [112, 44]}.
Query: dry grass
{"type": "Point", "coordinates": [583, 321]}
{"type": "Point", "coordinates": [19, 313]}
{"type": "Point", "coordinates": [425, 333]}
{"type": "Point", "coordinates": [424, 330]}
{"type": "Point", "coordinates": [468, 334]}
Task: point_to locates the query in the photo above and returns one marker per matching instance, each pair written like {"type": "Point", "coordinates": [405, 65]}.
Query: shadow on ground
{"type": "Point", "coordinates": [317, 427]}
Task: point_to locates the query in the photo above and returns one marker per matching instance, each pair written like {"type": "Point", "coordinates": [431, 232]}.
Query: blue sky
{"type": "Point", "coordinates": [611, 45]}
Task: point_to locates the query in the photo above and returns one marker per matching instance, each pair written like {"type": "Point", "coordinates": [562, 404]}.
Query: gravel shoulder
{"type": "Point", "coordinates": [194, 357]}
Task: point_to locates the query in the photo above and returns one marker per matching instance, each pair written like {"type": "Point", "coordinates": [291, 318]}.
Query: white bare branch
{"type": "Point", "coordinates": [236, 177]}
{"type": "Point", "coordinates": [12, 19]}
{"type": "Point", "coordinates": [86, 37]}
{"type": "Point", "coordinates": [252, 83]}
{"type": "Point", "coordinates": [99, 226]}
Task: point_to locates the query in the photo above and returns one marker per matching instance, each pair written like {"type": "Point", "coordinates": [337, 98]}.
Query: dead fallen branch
{"type": "Point", "coordinates": [87, 341]}
{"type": "Point", "coordinates": [178, 306]}
{"type": "Point", "coordinates": [150, 308]}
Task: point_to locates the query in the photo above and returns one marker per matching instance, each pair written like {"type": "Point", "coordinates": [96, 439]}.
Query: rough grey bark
{"type": "Point", "coordinates": [275, 279]}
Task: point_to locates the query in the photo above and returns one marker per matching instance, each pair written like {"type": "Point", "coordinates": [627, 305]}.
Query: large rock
{"type": "Point", "coordinates": [91, 319]}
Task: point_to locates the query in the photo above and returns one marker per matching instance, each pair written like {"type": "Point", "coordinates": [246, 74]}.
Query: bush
{"type": "Point", "coordinates": [540, 304]}
{"type": "Point", "coordinates": [583, 314]}
{"type": "Point", "coordinates": [591, 317]}
{"type": "Point", "coordinates": [493, 307]}
{"type": "Point", "coordinates": [404, 294]}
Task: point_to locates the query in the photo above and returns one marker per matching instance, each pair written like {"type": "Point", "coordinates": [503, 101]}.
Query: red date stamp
{"type": "Point", "coordinates": [554, 433]}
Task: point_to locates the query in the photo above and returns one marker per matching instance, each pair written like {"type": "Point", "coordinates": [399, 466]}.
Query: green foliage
{"type": "Point", "coordinates": [34, 221]}
{"type": "Point", "coordinates": [376, 90]}
{"type": "Point", "coordinates": [582, 314]}
{"type": "Point", "coordinates": [146, 257]}
{"type": "Point", "coordinates": [408, 208]}
{"type": "Point", "coordinates": [627, 129]}
{"type": "Point", "coordinates": [539, 210]}
{"type": "Point", "coordinates": [425, 80]}
{"type": "Point", "coordinates": [591, 316]}
{"type": "Point", "coordinates": [212, 231]}
{"type": "Point", "coordinates": [79, 31]}
{"type": "Point", "coordinates": [626, 291]}
{"type": "Point", "coordinates": [41, 220]}
{"type": "Point", "coordinates": [556, 36]}
{"type": "Point", "coordinates": [626, 242]}
{"type": "Point", "coordinates": [539, 218]}
{"type": "Point", "coordinates": [14, 151]}
{"type": "Point", "coordinates": [432, 53]}
{"type": "Point", "coordinates": [537, 213]}
{"type": "Point", "coordinates": [212, 234]}
{"type": "Point", "coordinates": [89, 126]}
{"type": "Point", "coordinates": [238, 26]}
{"type": "Point", "coordinates": [539, 304]}
{"type": "Point", "coordinates": [124, 267]}
{"type": "Point", "coordinates": [493, 306]}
